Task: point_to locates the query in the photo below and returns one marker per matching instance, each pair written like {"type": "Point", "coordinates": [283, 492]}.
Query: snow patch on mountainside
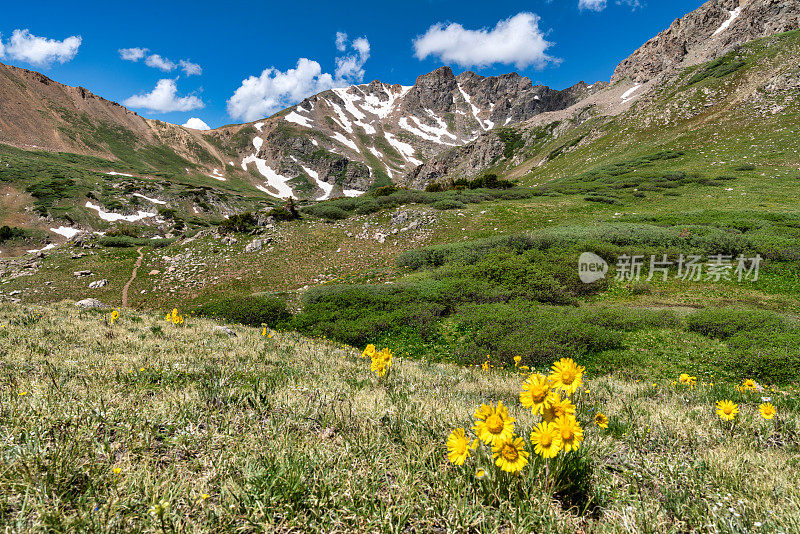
{"type": "Point", "coordinates": [113, 217]}
{"type": "Point", "coordinates": [153, 200]}
{"type": "Point", "coordinates": [296, 118]}
{"type": "Point", "coordinates": [66, 231]}
{"type": "Point", "coordinates": [628, 95]}
{"type": "Point", "coordinates": [215, 174]}
{"type": "Point", "coordinates": [406, 150]}
{"type": "Point", "coordinates": [345, 141]}
{"type": "Point", "coordinates": [427, 132]}
{"type": "Point", "coordinates": [475, 110]}
{"type": "Point", "coordinates": [725, 25]}
{"type": "Point", "coordinates": [383, 108]}
{"type": "Point", "coordinates": [327, 188]}
{"type": "Point", "coordinates": [274, 180]}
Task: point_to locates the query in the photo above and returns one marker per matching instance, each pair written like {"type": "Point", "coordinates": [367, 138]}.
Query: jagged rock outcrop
{"type": "Point", "coordinates": [707, 33]}
{"type": "Point", "coordinates": [375, 129]}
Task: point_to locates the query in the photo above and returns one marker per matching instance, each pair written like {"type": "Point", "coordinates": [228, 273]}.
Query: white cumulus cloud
{"type": "Point", "coordinates": [132, 54]}
{"type": "Point", "coordinates": [2, 47]}
{"type": "Point", "coordinates": [164, 98]}
{"type": "Point", "coordinates": [514, 41]}
{"type": "Point", "coordinates": [157, 61]}
{"type": "Point", "coordinates": [39, 51]}
{"type": "Point", "coordinates": [350, 68]}
{"type": "Point", "coordinates": [160, 63]}
{"type": "Point", "coordinates": [600, 5]}
{"type": "Point", "coordinates": [592, 5]}
{"type": "Point", "coordinates": [196, 124]}
{"type": "Point", "coordinates": [274, 90]}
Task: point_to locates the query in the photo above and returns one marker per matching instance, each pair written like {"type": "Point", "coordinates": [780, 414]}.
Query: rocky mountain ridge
{"type": "Point", "coordinates": [343, 141]}
{"type": "Point", "coordinates": [707, 33]}
{"type": "Point", "coordinates": [37, 112]}
{"type": "Point", "coordinates": [717, 28]}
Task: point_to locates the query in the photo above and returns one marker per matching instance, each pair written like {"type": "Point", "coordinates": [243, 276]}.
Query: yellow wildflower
{"type": "Point", "coordinates": [536, 394]}
{"type": "Point", "coordinates": [567, 376]}
{"type": "Point", "coordinates": [459, 447]}
{"type": "Point", "coordinates": [510, 455]}
{"type": "Point", "coordinates": [601, 420]}
{"type": "Point", "coordinates": [493, 424]}
{"type": "Point", "coordinates": [546, 440]}
{"type": "Point", "coordinates": [727, 410]}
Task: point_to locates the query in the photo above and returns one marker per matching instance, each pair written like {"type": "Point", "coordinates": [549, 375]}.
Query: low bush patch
{"type": "Point", "coordinates": [249, 311]}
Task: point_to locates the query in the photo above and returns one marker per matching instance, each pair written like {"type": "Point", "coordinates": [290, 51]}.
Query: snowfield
{"type": "Point", "coordinates": [274, 180]}
{"type": "Point", "coordinates": [66, 231]}
{"type": "Point", "coordinates": [113, 217]}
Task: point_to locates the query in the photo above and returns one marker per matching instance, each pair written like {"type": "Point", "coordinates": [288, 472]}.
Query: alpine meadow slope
{"type": "Point", "coordinates": [366, 313]}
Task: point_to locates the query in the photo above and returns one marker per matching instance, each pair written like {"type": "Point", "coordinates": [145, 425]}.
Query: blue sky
{"type": "Point", "coordinates": [555, 42]}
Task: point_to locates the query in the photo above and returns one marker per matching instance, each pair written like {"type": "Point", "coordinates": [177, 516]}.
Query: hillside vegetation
{"type": "Point", "coordinates": [137, 424]}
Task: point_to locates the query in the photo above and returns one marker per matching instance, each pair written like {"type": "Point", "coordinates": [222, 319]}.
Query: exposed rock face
{"type": "Point", "coordinates": [707, 33]}
{"type": "Point", "coordinates": [465, 161]}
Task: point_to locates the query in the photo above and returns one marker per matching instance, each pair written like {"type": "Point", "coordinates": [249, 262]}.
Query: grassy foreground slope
{"type": "Point", "coordinates": [143, 426]}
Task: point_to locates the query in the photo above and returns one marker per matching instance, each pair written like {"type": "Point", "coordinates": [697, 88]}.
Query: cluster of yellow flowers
{"type": "Point", "coordinates": [748, 385]}
{"type": "Point", "coordinates": [113, 316]}
{"type": "Point", "coordinates": [686, 380]}
{"type": "Point", "coordinates": [547, 396]}
{"type": "Point", "coordinates": [174, 317]}
{"type": "Point", "coordinates": [381, 359]}
{"type": "Point", "coordinates": [727, 410]}
{"type": "Point", "coordinates": [269, 333]}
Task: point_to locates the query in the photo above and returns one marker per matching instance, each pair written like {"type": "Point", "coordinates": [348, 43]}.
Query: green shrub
{"type": "Point", "coordinates": [124, 230]}
{"type": "Point", "coordinates": [361, 314]}
{"type": "Point", "coordinates": [249, 311]}
{"type": "Point", "coordinates": [512, 141]}
{"type": "Point", "coordinates": [239, 223]}
{"type": "Point", "coordinates": [540, 334]}
{"type": "Point", "coordinates": [771, 357]}
{"type": "Point", "coordinates": [448, 204]}
{"type": "Point", "coordinates": [332, 213]}
{"type": "Point", "coordinates": [724, 323]}
{"type": "Point", "coordinates": [630, 319]}
{"type": "Point", "coordinates": [719, 68]}
{"type": "Point", "coordinates": [8, 233]}
{"type": "Point", "coordinates": [385, 191]}
{"type": "Point", "coordinates": [125, 241]}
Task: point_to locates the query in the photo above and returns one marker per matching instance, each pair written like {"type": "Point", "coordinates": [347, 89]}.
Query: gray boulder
{"type": "Point", "coordinates": [91, 304]}
{"type": "Point", "coordinates": [254, 246]}
{"type": "Point", "coordinates": [225, 330]}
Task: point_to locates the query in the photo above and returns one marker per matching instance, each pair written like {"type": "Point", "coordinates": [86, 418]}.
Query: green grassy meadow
{"type": "Point", "coordinates": [145, 426]}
